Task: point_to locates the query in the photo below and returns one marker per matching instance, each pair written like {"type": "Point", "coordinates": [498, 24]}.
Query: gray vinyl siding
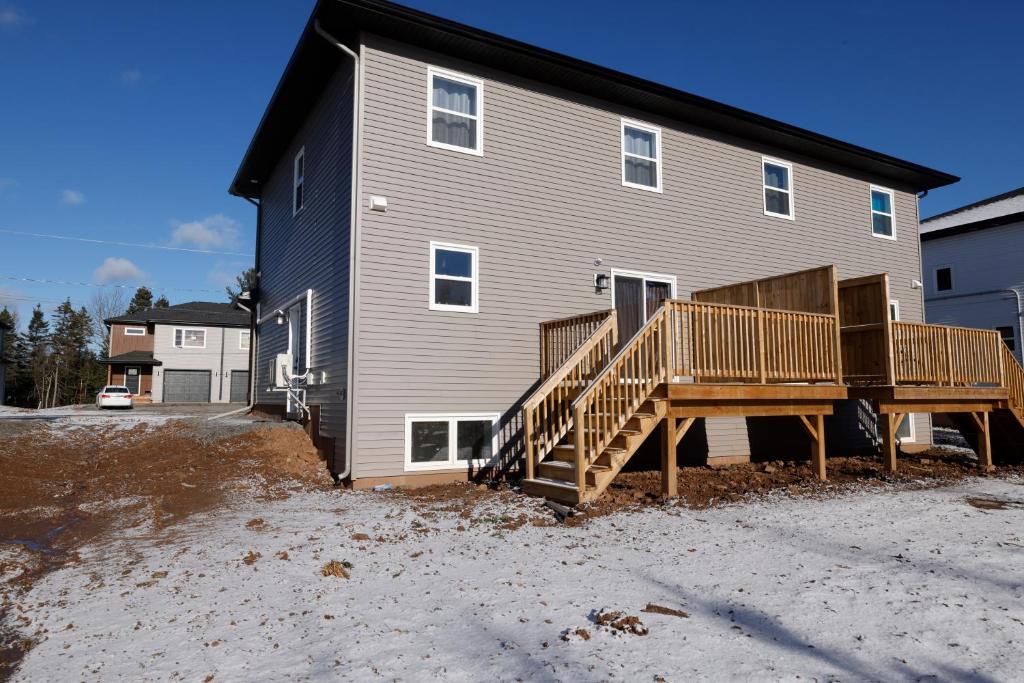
{"type": "Point", "coordinates": [541, 203]}
{"type": "Point", "coordinates": [311, 251]}
{"type": "Point", "coordinates": [987, 268]}
{"type": "Point", "coordinates": [220, 356]}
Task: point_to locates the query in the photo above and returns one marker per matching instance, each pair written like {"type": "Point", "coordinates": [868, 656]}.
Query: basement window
{"type": "Point", "coordinates": [135, 331]}
{"type": "Point", "coordinates": [641, 156]}
{"type": "Point", "coordinates": [189, 338]}
{"type": "Point", "coordinates": [943, 279]}
{"type": "Point", "coordinates": [299, 182]}
{"type": "Point", "coordinates": [777, 185]}
{"type": "Point", "coordinates": [882, 215]}
{"type": "Point", "coordinates": [454, 278]}
{"type": "Point", "coordinates": [447, 441]}
{"type": "Point", "coordinates": [1008, 337]}
{"type": "Point", "coordinates": [455, 112]}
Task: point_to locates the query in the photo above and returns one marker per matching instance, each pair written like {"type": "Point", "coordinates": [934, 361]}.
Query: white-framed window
{"type": "Point", "coordinates": [883, 215]}
{"type": "Point", "coordinates": [244, 339]}
{"type": "Point", "coordinates": [189, 338]}
{"type": "Point", "coordinates": [641, 156]}
{"type": "Point", "coordinates": [299, 182]}
{"type": "Point", "coordinates": [894, 310]}
{"type": "Point", "coordinates": [1008, 336]}
{"type": "Point", "coordinates": [454, 278]}
{"type": "Point", "coordinates": [906, 432]}
{"type": "Point", "coordinates": [438, 441]}
{"type": "Point", "coordinates": [943, 279]}
{"type": "Point", "coordinates": [455, 111]}
{"type": "Point", "coordinates": [135, 331]}
{"type": "Point", "coordinates": [777, 188]}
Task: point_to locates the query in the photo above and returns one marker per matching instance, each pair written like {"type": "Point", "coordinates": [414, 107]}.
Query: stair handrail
{"type": "Point", "coordinates": [560, 338]}
{"type": "Point", "coordinates": [649, 370]}
{"type": "Point", "coordinates": [1013, 380]}
{"type": "Point", "coordinates": [547, 412]}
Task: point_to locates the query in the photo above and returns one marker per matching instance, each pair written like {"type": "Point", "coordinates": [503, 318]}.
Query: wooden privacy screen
{"type": "Point", "coordinates": [865, 330]}
{"type": "Point", "coordinates": [806, 291]}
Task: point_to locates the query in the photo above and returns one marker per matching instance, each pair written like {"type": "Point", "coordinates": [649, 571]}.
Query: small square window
{"type": "Point", "coordinates": [244, 339]}
{"type": "Point", "coordinates": [1008, 337]}
{"type": "Point", "coordinates": [641, 156]}
{"type": "Point", "coordinates": [777, 185]}
{"type": "Point", "coordinates": [882, 214]}
{"type": "Point", "coordinates": [474, 440]}
{"type": "Point", "coordinates": [453, 278]}
{"type": "Point", "coordinates": [455, 112]}
{"type": "Point", "coordinates": [894, 310]}
{"type": "Point", "coordinates": [299, 182]}
{"type": "Point", "coordinates": [429, 442]}
{"type": "Point", "coordinates": [435, 442]}
{"type": "Point", "coordinates": [943, 279]}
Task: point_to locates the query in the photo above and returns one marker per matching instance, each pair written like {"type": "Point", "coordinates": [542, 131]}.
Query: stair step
{"type": "Point", "coordinates": [555, 490]}
{"type": "Point", "coordinates": [561, 471]}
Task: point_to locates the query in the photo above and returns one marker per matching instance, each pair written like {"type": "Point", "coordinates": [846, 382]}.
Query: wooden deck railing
{"type": "Point", "coordinates": [947, 356]}
{"type": "Point", "coordinates": [1013, 380]}
{"type": "Point", "coordinates": [722, 343]}
{"type": "Point", "coordinates": [560, 339]}
{"type": "Point", "coordinates": [547, 413]}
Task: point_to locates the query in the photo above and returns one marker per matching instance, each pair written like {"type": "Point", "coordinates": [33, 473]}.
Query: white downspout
{"type": "Point", "coordinates": [353, 243]}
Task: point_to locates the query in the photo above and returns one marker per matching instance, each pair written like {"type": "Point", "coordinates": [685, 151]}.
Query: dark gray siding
{"type": "Point", "coordinates": [311, 251]}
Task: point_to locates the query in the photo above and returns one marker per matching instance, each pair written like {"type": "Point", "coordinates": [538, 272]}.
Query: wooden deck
{"type": "Point", "coordinates": [786, 346]}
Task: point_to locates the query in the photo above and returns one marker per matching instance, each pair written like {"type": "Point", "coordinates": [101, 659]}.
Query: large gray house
{"type": "Point", "coordinates": [973, 260]}
{"type": "Point", "coordinates": [428, 193]}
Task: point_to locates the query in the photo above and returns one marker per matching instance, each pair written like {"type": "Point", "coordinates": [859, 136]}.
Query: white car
{"type": "Point", "coordinates": [114, 396]}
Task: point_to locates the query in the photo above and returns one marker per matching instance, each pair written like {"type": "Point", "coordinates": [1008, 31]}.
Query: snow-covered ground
{"type": "Point", "coordinates": [896, 585]}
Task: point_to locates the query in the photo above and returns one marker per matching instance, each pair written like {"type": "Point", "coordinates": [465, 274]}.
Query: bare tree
{"type": "Point", "coordinates": [105, 303]}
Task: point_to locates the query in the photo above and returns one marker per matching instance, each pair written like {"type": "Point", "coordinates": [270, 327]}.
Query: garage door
{"type": "Point", "coordinates": [239, 386]}
{"type": "Point", "coordinates": [186, 386]}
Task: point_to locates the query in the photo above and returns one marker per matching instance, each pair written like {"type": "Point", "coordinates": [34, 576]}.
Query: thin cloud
{"type": "Point", "coordinates": [213, 231]}
{"type": "Point", "coordinates": [131, 76]}
{"type": "Point", "coordinates": [11, 17]}
{"type": "Point", "coordinates": [72, 197]}
{"type": "Point", "coordinates": [118, 270]}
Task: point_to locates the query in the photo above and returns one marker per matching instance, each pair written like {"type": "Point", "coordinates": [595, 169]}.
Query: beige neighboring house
{"type": "Point", "coordinates": [196, 352]}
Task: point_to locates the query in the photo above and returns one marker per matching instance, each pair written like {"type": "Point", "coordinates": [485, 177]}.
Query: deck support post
{"type": "Point", "coordinates": [984, 440]}
{"type": "Point", "coordinates": [668, 457]}
{"type": "Point", "coordinates": [816, 430]}
{"type": "Point", "coordinates": [889, 423]}
{"type": "Point", "coordinates": [528, 433]}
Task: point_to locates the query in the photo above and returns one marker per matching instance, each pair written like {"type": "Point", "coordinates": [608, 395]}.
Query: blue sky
{"type": "Point", "coordinates": [125, 121]}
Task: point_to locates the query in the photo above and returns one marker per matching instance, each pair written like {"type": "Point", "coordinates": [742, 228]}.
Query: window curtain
{"type": "Point", "coordinates": [453, 129]}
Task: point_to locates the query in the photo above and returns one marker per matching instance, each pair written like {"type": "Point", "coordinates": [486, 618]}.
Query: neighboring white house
{"type": "Point", "coordinates": [196, 352]}
{"type": "Point", "coordinates": [973, 266]}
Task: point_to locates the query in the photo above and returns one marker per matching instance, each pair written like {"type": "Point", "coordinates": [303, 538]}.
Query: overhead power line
{"type": "Point", "coordinates": [96, 284]}
{"type": "Point", "coordinates": [210, 252]}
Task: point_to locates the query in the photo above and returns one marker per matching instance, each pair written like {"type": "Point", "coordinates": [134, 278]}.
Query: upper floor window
{"type": "Point", "coordinates": [244, 339]}
{"type": "Point", "coordinates": [299, 181]}
{"type": "Point", "coordinates": [1006, 333]}
{"type": "Point", "coordinates": [134, 331]}
{"type": "Point", "coordinates": [777, 183]}
{"type": "Point", "coordinates": [882, 213]}
{"type": "Point", "coordinates": [641, 156]}
{"type": "Point", "coordinates": [943, 279]}
{"type": "Point", "coordinates": [189, 338]}
{"type": "Point", "coordinates": [455, 112]}
{"type": "Point", "coordinates": [453, 278]}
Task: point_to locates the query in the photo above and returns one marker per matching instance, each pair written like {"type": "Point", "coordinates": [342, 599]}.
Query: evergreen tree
{"type": "Point", "coordinates": [162, 302]}
{"type": "Point", "coordinates": [9, 361]}
{"type": "Point", "coordinates": [142, 301]}
{"type": "Point", "coordinates": [73, 364]}
{"type": "Point", "coordinates": [245, 282]}
{"type": "Point", "coordinates": [35, 355]}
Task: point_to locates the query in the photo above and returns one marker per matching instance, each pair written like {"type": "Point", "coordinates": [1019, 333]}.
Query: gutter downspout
{"type": "Point", "coordinates": [354, 203]}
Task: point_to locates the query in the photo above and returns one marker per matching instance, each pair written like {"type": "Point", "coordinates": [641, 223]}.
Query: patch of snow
{"type": "Point", "coordinates": [896, 585]}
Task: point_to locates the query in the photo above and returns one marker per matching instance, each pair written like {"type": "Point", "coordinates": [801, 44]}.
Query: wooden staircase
{"type": "Point", "coordinates": [1007, 422]}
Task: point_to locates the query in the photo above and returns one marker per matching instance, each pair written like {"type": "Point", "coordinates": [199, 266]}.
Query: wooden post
{"type": "Point", "coordinates": [580, 459]}
{"type": "Point", "coordinates": [818, 446]}
{"type": "Point", "coordinates": [762, 364]}
{"type": "Point", "coordinates": [949, 357]}
{"type": "Point", "coordinates": [543, 354]}
{"type": "Point", "coordinates": [668, 457]}
{"type": "Point", "coordinates": [984, 441]}
{"type": "Point", "coordinates": [528, 435]}
{"type": "Point", "coordinates": [888, 424]}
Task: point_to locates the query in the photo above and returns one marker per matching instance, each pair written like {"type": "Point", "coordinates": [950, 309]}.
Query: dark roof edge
{"type": "Point", "coordinates": [980, 202]}
{"type": "Point", "coordinates": [182, 321]}
{"type": "Point", "coordinates": [922, 177]}
{"type": "Point", "coordinates": [973, 227]}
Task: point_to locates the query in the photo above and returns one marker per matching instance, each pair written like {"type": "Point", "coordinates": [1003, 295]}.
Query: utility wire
{"type": "Point", "coordinates": [123, 244]}
{"type": "Point", "coordinates": [95, 284]}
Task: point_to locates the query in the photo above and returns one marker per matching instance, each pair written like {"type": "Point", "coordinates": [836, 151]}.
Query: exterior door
{"type": "Point", "coordinates": [131, 379]}
{"type": "Point", "coordinates": [636, 297]}
{"type": "Point", "coordinates": [239, 386]}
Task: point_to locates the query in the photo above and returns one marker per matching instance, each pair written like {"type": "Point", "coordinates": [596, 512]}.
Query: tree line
{"type": "Point", "coordinates": [56, 360]}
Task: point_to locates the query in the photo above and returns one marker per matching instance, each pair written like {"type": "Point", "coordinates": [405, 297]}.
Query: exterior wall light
{"type": "Point", "coordinates": [280, 317]}
{"type": "Point", "coordinates": [600, 281]}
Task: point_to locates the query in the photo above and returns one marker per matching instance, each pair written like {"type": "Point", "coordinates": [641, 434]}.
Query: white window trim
{"type": "Point", "coordinates": [791, 216]}
{"type": "Point", "coordinates": [935, 278]}
{"type": "Point", "coordinates": [909, 421]}
{"type": "Point", "coordinates": [174, 335]}
{"type": "Point", "coordinates": [474, 306]}
{"type": "Point", "coordinates": [659, 160]}
{"type": "Point", "coordinates": [135, 332]}
{"type": "Point", "coordinates": [242, 334]}
{"type": "Point", "coordinates": [453, 420]}
{"type": "Point", "coordinates": [478, 117]}
{"type": "Point", "coordinates": [894, 310]}
{"type": "Point", "coordinates": [891, 214]}
{"type": "Point", "coordinates": [654, 277]}
{"type": "Point", "coordinates": [297, 180]}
